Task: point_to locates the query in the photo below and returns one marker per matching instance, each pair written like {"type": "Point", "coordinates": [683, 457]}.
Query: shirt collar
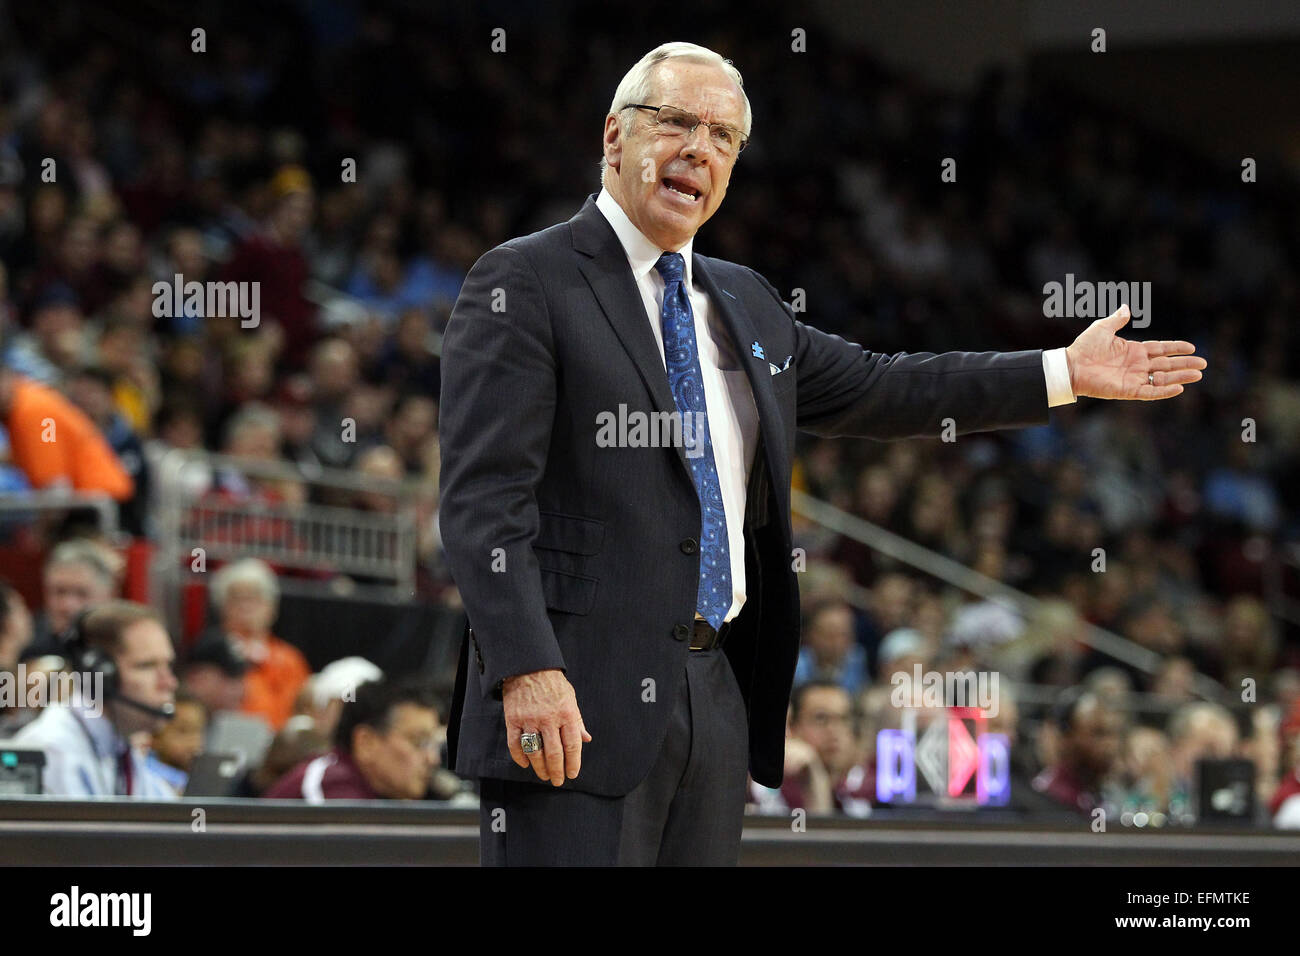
{"type": "Point", "coordinates": [107, 741]}
{"type": "Point", "coordinates": [642, 254]}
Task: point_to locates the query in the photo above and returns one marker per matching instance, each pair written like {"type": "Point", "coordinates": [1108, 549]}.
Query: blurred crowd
{"type": "Point", "coordinates": [354, 161]}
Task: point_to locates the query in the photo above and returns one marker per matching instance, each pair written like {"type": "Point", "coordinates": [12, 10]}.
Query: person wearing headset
{"type": "Point", "coordinates": [123, 654]}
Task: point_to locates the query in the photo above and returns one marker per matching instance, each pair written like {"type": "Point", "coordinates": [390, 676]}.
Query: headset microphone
{"type": "Point", "coordinates": [167, 710]}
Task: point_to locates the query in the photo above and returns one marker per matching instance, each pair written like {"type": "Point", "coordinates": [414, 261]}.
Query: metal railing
{"type": "Point", "coordinates": [308, 537]}
{"type": "Point", "coordinates": [15, 506]}
{"type": "Point", "coordinates": [962, 577]}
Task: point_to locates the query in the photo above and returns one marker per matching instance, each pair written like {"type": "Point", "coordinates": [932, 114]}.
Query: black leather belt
{"type": "Point", "coordinates": [706, 638]}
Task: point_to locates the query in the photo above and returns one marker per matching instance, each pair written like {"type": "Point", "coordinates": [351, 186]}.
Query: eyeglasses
{"type": "Point", "coordinates": [727, 140]}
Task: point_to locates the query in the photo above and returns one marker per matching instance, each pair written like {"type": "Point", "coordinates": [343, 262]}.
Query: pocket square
{"type": "Point", "coordinates": [774, 369]}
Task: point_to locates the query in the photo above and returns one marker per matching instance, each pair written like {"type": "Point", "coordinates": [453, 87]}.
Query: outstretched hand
{"type": "Point", "coordinates": [1103, 365]}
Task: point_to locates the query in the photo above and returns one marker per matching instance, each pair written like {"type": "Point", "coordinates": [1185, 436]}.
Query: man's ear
{"type": "Point", "coordinates": [363, 741]}
{"type": "Point", "coordinates": [613, 142]}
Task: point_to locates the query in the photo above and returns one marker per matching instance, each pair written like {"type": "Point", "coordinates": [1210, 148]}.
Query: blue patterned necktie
{"type": "Point", "coordinates": [682, 356]}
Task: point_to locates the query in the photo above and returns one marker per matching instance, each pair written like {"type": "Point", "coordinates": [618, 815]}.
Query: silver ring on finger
{"type": "Point", "coordinates": [1151, 378]}
{"type": "Point", "coordinates": [530, 743]}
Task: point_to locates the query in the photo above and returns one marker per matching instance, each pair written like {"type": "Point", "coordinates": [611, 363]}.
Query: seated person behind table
{"type": "Point", "coordinates": [179, 742]}
{"type": "Point", "coordinates": [247, 598]}
{"type": "Point", "coordinates": [86, 742]}
{"type": "Point", "coordinates": [385, 748]}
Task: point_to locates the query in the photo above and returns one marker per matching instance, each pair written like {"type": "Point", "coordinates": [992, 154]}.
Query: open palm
{"type": "Point", "coordinates": [1103, 365]}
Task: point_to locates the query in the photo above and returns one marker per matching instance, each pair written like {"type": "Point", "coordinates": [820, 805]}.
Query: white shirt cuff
{"type": "Point", "coordinates": [1057, 371]}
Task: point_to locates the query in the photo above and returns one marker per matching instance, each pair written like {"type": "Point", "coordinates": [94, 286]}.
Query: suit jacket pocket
{"type": "Point", "coordinates": [560, 532]}
{"type": "Point", "coordinates": [784, 383]}
{"type": "Point", "coordinates": [568, 592]}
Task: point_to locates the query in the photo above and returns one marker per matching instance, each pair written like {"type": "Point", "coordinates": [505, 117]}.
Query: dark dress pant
{"type": "Point", "coordinates": [689, 810]}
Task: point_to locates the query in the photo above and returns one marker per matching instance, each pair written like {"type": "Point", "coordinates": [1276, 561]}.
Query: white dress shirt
{"type": "Point", "coordinates": [733, 416]}
{"type": "Point", "coordinates": [83, 756]}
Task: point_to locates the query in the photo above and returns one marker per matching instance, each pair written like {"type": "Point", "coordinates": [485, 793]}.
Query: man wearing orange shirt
{"type": "Point", "coordinates": [54, 444]}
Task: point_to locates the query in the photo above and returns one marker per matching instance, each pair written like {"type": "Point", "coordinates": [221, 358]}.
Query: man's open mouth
{"type": "Point", "coordinates": [681, 188]}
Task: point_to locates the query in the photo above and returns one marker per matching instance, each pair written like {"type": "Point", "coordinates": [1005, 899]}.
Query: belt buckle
{"type": "Point", "coordinates": [716, 636]}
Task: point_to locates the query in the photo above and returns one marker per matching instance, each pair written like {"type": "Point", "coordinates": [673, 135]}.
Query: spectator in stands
{"type": "Point", "coordinates": [336, 684]}
{"type": "Point", "coordinates": [900, 652]}
{"type": "Point", "coordinates": [91, 389]}
{"type": "Point", "coordinates": [1151, 622]}
{"type": "Point", "coordinates": [892, 596]}
{"type": "Point", "coordinates": [297, 424]}
{"type": "Point", "coordinates": [1199, 731]}
{"type": "Point", "coordinates": [253, 434]}
{"type": "Point", "coordinates": [407, 363]}
{"type": "Point", "coordinates": [825, 768]}
{"type": "Point", "coordinates": [54, 443]}
{"type": "Point", "coordinates": [79, 574]}
{"type": "Point", "coordinates": [214, 675]}
{"type": "Point", "coordinates": [385, 748]}
{"type": "Point", "coordinates": [15, 635]}
{"type": "Point", "coordinates": [247, 598]}
{"type": "Point", "coordinates": [179, 741]}
{"type": "Point", "coordinates": [1175, 680]}
{"type": "Point", "coordinates": [86, 742]}
{"type": "Point", "coordinates": [129, 357]}
{"type": "Point", "coordinates": [273, 256]}
{"type": "Point", "coordinates": [56, 342]}
{"type": "Point", "coordinates": [1087, 752]}
{"type": "Point", "coordinates": [334, 376]}
{"type": "Point", "coordinates": [830, 651]}
{"type": "Point", "coordinates": [1146, 771]}
{"type": "Point", "coordinates": [381, 464]}
{"type": "Point", "coordinates": [1249, 642]}
{"type": "Point", "coordinates": [413, 427]}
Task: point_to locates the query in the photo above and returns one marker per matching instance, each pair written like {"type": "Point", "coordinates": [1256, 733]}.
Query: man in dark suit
{"type": "Point", "coordinates": [618, 422]}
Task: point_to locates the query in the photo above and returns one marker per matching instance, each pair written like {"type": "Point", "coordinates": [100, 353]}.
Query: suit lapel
{"type": "Point", "coordinates": [605, 267]}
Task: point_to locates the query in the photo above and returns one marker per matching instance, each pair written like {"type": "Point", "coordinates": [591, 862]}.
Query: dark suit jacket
{"type": "Point", "coordinates": [574, 556]}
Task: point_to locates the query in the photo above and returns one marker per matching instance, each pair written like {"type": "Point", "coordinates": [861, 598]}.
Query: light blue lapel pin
{"type": "Point", "coordinates": [758, 351]}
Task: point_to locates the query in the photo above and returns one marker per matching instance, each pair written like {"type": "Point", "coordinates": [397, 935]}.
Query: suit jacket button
{"type": "Point", "coordinates": [689, 546]}
{"type": "Point", "coordinates": [681, 632]}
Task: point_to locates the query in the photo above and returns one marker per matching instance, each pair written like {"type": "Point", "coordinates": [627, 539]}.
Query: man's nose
{"type": "Point", "coordinates": [691, 148]}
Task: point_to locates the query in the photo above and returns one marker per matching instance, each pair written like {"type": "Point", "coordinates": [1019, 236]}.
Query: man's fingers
{"type": "Point", "coordinates": [1163, 391]}
{"type": "Point", "coordinates": [1117, 319]}
{"type": "Point", "coordinates": [573, 738]}
{"type": "Point", "coordinates": [516, 748]}
{"type": "Point", "coordinates": [1169, 384]}
{"type": "Point", "coordinates": [1177, 363]}
{"type": "Point", "coordinates": [1158, 347]}
{"type": "Point", "coordinates": [553, 747]}
{"type": "Point", "coordinates": [538, 760]}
